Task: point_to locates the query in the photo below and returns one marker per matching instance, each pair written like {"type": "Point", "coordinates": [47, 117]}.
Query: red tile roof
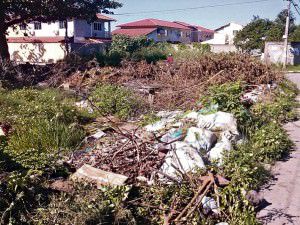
{"type": "Point", "coordinates": [103, 17]}
{"type": "Point", "coordinates": [152, 23]}
{"type": "Point", "coordinates": [205, 29]}
{"type": "Point", "coordinates": [186, 24]}
{"type": "Point", "coordinates": [134, 32]}
{"type": "Point", "coordinates": [35, 39]}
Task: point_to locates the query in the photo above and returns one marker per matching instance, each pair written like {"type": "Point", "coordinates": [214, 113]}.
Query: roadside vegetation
{"type": "Point", "coordinates": [45, 127]}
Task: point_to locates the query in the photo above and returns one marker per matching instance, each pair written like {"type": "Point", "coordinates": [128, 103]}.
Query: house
{"type": "Point", "coordinates": [38, 42]}
{"type": "Point", "coordinates": [199, 34]}
{"type": "Point", "coordinates": [225, 35]}
{"type": "Point", "coordinates": [157, 30]}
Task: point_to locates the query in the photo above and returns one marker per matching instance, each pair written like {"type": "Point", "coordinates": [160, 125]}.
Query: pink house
{"type": "Point", "coordinates": [199, 34]}
{"type": "Point", "coordinates": [157, 30]}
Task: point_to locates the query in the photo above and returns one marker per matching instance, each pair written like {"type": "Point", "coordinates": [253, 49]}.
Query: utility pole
{"type": "Point", "coordinates": [286, 34]}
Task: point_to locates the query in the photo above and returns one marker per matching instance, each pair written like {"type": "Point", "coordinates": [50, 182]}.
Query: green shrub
{"type": "Point", "coordinates": [270, 143]}
{"type": "Point", "coordinates": [126, 44]}
{"type": "Point", "coordinates": [25, 105]}
{"type": "Point", "coordinates": [115, 100]}
{"type": "Point", "coordinates": [227, 97]}
{"type": "Point", "coordinates": [40, 144]}
{"type": "Point", "coordinates": [183, 47]}
{"type": "Point", "coordinates": [281, 107]}
{"type": "Point", "coordinates": [86, 205]}
{"type": "Point", "coordinates": [203, 48]}
{"type": "Point", "coordinates": [149, 54]}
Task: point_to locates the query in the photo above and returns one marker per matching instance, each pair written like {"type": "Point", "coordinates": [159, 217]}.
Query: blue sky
{"type": "Point", "coordinates": [207, 17]}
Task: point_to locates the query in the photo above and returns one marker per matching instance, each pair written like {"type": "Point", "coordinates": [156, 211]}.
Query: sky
{"type": "Point", "coordinates": [209, 17]}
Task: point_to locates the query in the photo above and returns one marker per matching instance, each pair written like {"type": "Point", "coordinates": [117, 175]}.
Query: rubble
{"type": "Point", "coordinates": [98, 177]}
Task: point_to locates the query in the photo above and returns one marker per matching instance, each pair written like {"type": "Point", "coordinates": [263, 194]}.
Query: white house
{"type": "Point", "coordinates": [225, 35]}
{"type": "Point", "coordinates": [38, 42]}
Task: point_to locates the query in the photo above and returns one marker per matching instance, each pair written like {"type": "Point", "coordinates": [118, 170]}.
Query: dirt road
{"type": "Point", "coordinates": [283, 194]}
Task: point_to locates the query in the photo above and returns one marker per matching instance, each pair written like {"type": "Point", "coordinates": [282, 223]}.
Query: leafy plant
{"type": "Point", "coordinates": [227, 97]}
{"type": "Point", "coordinates": [149, 54]}
{"type": "Point", "coordinates": [42, 143]}
{"type": "Point", "coordinates": [271, 143]}
{"type": "Point", "coordinates": [86, 206]}
{"type": "Point", "coordinates": [115, 100]}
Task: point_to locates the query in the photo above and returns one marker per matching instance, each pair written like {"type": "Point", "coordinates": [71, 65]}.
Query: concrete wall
{"type": "Point", "coordinates": [37, 52]}
{"type": "Point", "coordinates": [274, 53]}
{"type": "Point", "coordinates": [45, 53]}
{"type": "Point", "coordinates": [215, 48]}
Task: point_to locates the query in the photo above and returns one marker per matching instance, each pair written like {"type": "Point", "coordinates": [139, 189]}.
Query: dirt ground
{"type": "Point", "coordinates": [283, 193]}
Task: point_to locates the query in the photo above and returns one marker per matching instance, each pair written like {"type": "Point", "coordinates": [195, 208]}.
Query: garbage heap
{"type": "Point", "coordinates": [178, 143]}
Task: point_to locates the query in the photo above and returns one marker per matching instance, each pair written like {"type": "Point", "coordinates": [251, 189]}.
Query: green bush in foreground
{"type": "Point", "coordinates": [115, 100]}
{"type": "Point", "coordinates": [271, 143]}
{"type": "Point", "coordinates": [43, 124]}
{"type": "Point", "coordinates": [42, 143]}
{"type": "Point", "coordinates": [26, 105]}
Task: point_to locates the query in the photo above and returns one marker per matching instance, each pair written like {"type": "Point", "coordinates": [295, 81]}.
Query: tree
{"type": "Point", "coordinates": [13, 12]}
{"type": "Point", "coordinates": [295, 36]}
{"type": "Point", "coordinates": [253, 34]}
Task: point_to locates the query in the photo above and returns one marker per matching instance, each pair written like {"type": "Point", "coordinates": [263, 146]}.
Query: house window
{"type": "Point", "coordinates": [62, 24]}
{"type": "Point", "coordinates": [97, 26]}
{"type": "Point", "coordinates": [37, 25]}
{"type": "Point", "coordinates": [235, 32]}
{"type": "Point", "coordinates": [23, 26]}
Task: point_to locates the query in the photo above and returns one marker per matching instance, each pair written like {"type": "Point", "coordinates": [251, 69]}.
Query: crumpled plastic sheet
{"type": "Point", "coordinates": [200, 138]}
{"type": "Point", "coordinates": [181, 160]}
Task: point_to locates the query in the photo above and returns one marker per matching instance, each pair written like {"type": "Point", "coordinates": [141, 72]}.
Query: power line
{"type": "Point", "coordinates": [191, 8]}
{"type": "Point", "coordinates": [296, 6]}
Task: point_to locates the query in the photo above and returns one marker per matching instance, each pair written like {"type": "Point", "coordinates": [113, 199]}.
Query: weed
{"type": "Point", "coordinates": [115, 100]}
{"type": "Point", "coordinates": [270, 143]}
{"type": "Point", "coordinates": [39, 145]}
{"type": "Point", "coordinates": [227, 97]}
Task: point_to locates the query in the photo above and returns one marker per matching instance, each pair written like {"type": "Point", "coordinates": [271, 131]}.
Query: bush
{"type": "Point", "coordinates": [227, 98]}
{"type": "Point", "coordinates": [203, 48]}
{"type": "Point", "coordinates": [125, 44]}
{"type": "Point", "coordinates": [270, 143]}
{"type": "Point", "coordinates": [281, 107]}
{"type": "Point", "coordinates": [86, 206]}
{"type": "Point", "coordinates": [115, 100]}
{"type": "Point", "coordinates": [149, 54]}
{"type": "Point", "coordinates": [27, 105]}
{"type": "Point", "coordinates": [39, 145]}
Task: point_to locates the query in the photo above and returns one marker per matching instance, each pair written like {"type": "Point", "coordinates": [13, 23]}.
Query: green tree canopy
{"type": "Point", "coordinates": [254, 35]}
{"type": "Point", "coordinates": [13, 12]}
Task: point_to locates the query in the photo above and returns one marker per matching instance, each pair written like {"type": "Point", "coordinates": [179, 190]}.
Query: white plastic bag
{"type": "Point", "coordinates": [180, 160]}
{"type": "Point", "coordinates": [219, 121]}
{"type": "Point", "coordinates": [217, 152]}
{"type": "Point", "coordinates": [200, 138]}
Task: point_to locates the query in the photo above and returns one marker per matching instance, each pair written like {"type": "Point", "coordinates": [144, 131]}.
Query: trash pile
{"type": "Point", "coordinates": [175, 145]}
